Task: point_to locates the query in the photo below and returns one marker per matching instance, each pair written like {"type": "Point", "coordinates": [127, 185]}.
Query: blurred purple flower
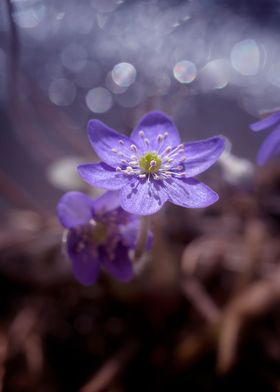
{"type": "Point", "coordinates": [271, 145]}
{"type": "Point", "coordinates": [151, 166]}
{"type": "Point", "coordinates": [100, 235]}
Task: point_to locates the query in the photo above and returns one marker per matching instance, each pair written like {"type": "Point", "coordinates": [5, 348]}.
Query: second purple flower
{"type": "Point", "coordinates": [271, 145]}
{"type": "Point", "coordinates": [152, 166]}
{"type": "Point", "coordinates": [100, 235]}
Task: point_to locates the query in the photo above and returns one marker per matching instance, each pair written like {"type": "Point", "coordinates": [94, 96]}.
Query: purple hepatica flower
{"type": "Point", "coordinates": [100, 234]}
{"type": "Point", "coordinates": [271, 145]}
{"type": "Point", "coordinates": [151, 166]}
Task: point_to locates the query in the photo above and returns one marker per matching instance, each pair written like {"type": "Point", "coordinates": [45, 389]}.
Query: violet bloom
{"type": "Point", "coordinates": [100, 235]}
{"type": "Point", "coordinates": [271, 145]}
{"type": "Point", "coordinates": [151, 166]}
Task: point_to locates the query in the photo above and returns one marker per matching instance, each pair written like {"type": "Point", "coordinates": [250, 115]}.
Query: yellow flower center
{"type": "Point", "coordinates": [150, 162]}
{"type": "Point", "coordinates": [99, 233]}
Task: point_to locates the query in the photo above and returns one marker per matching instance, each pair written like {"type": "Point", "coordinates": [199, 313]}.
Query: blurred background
{"type": "Point", "coordinates": [203, 313]}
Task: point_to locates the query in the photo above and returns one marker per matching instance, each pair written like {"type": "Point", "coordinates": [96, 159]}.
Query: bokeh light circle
{"type": "Point", "coordinates": [124, 74]}
{"type": "Point", "coordinates": [99, 100]}
{"type": "Point", "coordinates": [74, 57]}
{"type": "Point", "coordinates": [112, 86]}
{"type": "Point", "coordinates": [245, 57]}
{"type": "Point", "coordinates": [62, 92]}
{"type": "Point", "coordinates": [215, 74]}
{"type": "Point", "coordinates": [185, 71]}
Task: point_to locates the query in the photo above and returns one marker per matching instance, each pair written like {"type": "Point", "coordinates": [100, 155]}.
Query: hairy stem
{"type": "Point", "coordinates": [142, 238]}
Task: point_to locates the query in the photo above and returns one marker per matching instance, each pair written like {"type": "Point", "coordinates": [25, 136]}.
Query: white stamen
{"type": "Point", "coordinates": [147, 142]}
{"type": "Point", "coordinates": [165, 135]}
{"type": "Point", "coordinates": [133, 148]}
{"type": "Point", "coordinates": [166, 174]}
{"type": "Point", "coordinates": [142, 175]}
{"type": "Point", "coordinates": [167, 159]}
{"type": "Point", "coordinates": [167, 150]}
{"type": "Point", "coordinates": [178, 150]}
{"type": "Point", "coordinates": [114, 150]}
{"type": "Point", "coordinates": [118, 169]}
{"type": "Point", "coordinates": [121, 142]}
{"type": "Point", "coordinates": [141, 133]}
{"type": "Point", "coordinates": [159, 138]}
{"type": "Point", "coordinates": [180, 167]}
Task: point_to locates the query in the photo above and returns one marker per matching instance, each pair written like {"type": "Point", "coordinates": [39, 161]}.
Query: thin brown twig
{"type": "Point", "coordinates": [200, 299]}
{"type": "Point", "coordinates": [252, 302]}
{"type": "Point", "coordinates": [254, 238]}
{"type": "Point", "coordinates": [109, 370]}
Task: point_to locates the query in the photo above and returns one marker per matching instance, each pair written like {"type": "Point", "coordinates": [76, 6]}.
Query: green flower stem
{"type": "Point", "coordinates": [142, 238]}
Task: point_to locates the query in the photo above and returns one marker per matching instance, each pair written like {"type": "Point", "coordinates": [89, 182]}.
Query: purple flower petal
{"type": "Point", "coordinates": [154, 124]}
{"type": "Point", "coordinates": [142, 197]}
{"type": "Point", "coordinates": [102, 176]}
{"type": "Point", "coordinates": [120, 265]}
{"type": "Point", "coordinates": [74, 209]}
{"type": "Point", "coordinates": [84, 257]}
{"type": "Point", "coordinates": [190, 193]}
{"type": "Point", "coordinates": [200, 155]}
{"type": "Point", "coordinates": [270, 147]}
{"type": "Point", "coordinates": [107, 143]}
{"type": "Point", "coordinates": [266, 122]}
{"type": "Point", "coordinates": [107, 202]}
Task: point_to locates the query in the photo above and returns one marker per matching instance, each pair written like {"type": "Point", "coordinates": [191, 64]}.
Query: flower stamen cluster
{"type": "Point", "coordinates": [157, 164]}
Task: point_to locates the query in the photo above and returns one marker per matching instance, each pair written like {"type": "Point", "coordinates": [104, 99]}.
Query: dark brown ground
{"type": "Point", "coordinates": [202, 316]}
